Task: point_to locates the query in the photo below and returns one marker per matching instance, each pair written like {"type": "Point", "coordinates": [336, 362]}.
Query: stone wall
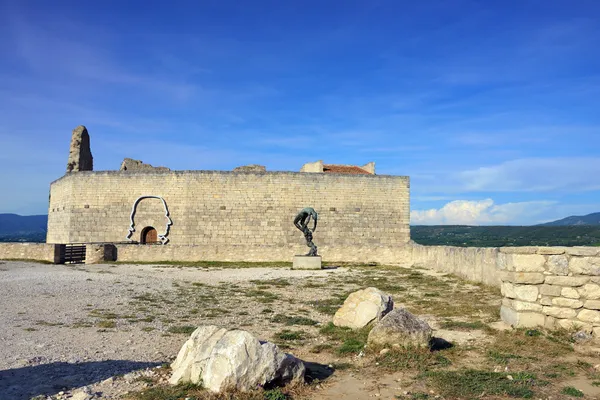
{"type": "Point", "coordinates": [30, 251]}
{"type": "Point", "coordinates": [331, 255]}
{"type": "Point", "coordinates": [477, 264]}
{"type": "Point", "coordinates": [216, 209]}
{"type": "Point", "coordinates": [551, 286]}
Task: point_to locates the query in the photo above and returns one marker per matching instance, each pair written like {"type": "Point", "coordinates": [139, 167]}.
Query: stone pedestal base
{"type": "Point", "coordinates": [307, 262]}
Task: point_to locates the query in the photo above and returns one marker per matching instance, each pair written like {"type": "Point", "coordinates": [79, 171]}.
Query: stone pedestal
{"type": "Point", "coordinates": [307, 262]}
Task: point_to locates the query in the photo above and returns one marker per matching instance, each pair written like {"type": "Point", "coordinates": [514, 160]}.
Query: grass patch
{"type": "Point", "coordinates": [319, 348]}
{"type": "Point", "coordinates": [106, 323]}
{"type": "Point", "coordinates": [463, 326]}
{"type": "Point", "coordinates": [352, 341]}
{"type": "Point", "coordinates": [419, 358]}
{"type": "Point", "coordinates": [471, 383]}
{"type": "Point", "coordinates": [288, 335]}
{"type": "Point", "coordinates": [571, 391]}
{"type": "Point", "coordinates": [182, 329]}
{"type": "Point", "coordinates": [262, 296]}
{"type": "Point", "coordinates": [293, 320]}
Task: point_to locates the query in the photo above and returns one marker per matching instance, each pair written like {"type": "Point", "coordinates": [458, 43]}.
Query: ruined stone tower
{"type": "Point", "coordinates": [80, 154]}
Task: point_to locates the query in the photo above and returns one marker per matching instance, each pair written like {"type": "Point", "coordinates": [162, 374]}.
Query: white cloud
{"type": "Point", "coordinates": [535, 174]}
{"type": "Point", "coordinates": [481, 212]}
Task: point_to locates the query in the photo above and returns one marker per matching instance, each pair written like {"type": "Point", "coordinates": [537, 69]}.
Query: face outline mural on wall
{"type": "Point", "coordinates": [163, 237]}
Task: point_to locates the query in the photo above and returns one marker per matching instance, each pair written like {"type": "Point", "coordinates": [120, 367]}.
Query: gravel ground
{"type": "Point", "coordinates": [53, 343]}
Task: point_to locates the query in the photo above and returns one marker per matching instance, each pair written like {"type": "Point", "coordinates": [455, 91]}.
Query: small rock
{"type": "Point", "coordinates": [384, 351]}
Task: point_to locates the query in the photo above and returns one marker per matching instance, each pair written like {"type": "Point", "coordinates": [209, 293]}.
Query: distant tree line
{"type": "Point", "coordinates": [498, 236]}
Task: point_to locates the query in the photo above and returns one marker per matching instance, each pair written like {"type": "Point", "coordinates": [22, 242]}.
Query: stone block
{"type": "Point", "coordinates": [519, 250]}
{"type": "Point", "coordinates": [528, 262]}
{"type": "Point", "coordinates": [521, 319]}
{"type": "Point", "coordinates": [526, 306]}
{"type": "Point", "coordinates": [508, 290]}
{"type": "Point", "coordinates": [522, 277]}
{"type": "Point", "coordinates": [596, 331]}
{"type": "Point", "coordinates": [546, 301]}
{"type": "Point", "coordinates": [550, 322]}
{"type": "Point", "coordinates": [574, 281]}
{"type": "Point", "coordinates": [592, 316]}
{"type": "Point", "coordinates": [562, 302]}
{"type": "Point", "coordinates": [570, 324]}
{"type": "Point", "coordinates": [526, 292]}
{"type": "Point", "coordinates": [502, 261]}
{"type": "Point", "coordinates": [307, 262]}
{"type": "Point", "coordinates": [592, 304]}
{"type": "Point", "coordinates": [590, 291]}
{"type": "Point", "coordinates": [551, 250]}
{"type": "Point", "coordinates": [570, 293]}
{"type": "Point", "coordinates": [559, 312]}
{"type": "Point", "coordinates": [585, 265]}
{"type": "Point", "coordinates": [583, 251]}
{"type": "Point", "coordinates": [558, 265]}
{"type": "Point", "coordinates": [550, 290]}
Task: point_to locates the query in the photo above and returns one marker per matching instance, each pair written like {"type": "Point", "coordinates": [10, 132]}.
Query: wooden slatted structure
{"type": "Point", "coordinates": [72, 254]}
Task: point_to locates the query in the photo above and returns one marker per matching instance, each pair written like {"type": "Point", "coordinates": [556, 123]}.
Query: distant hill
{"type": "Point", "coordinates": [590, 219]}
{"type": "Point", "coordinates": [18, 228]}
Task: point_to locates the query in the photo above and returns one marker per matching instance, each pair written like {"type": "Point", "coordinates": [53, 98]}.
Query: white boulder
{"type": "Point", "coordinates": [402, 328]}
{"type": "Point", "coordinates": [363, 307]}
{"type": "Point", "coordinates": [220, 359]}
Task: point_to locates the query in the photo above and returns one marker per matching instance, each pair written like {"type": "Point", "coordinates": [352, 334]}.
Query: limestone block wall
{"type": "Point", "coordinates": [30, 251]}
{"type": "Point", "coordinates": [555, 287]}
{"type": "Point", "coordinates": [477, 264]}
{"type": "Point", "coordinates": [212, 211]}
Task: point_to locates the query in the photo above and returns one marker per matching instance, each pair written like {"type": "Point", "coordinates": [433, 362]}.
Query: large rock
{"type": "Point", "coordinates": [80, 153]}
{"type": "Point", "coordinates": [402, 328]}
{"type": "Point", "coordinates": [363, 307]}
{"type": "Point", "coordinates": [220, 359]}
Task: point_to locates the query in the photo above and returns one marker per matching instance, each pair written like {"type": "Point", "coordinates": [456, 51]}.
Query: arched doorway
{"type": "Point", "coordinates": [149, 236]}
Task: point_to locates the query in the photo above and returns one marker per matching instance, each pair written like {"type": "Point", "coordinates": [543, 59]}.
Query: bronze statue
{"type": "Point", "coordinates": [301, 222]}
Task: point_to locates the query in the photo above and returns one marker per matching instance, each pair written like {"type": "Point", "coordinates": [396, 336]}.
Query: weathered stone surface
{"type": "Point", "coordinates": [131, 165]}
{"type": "Point", "coordinates": [592, 316]}
{"type": "Point", "coordinates": [250, 168]}
{"type": "Point", "coordinates": [563, 302]}
{"type": "Point", "coordinates": [550, 290]}
{"type": "Point", "coordinates": [583, 251]}
{"type": "Point", "coordinates": [596, 331]}
{"type": "Point", "coordinates": [362, 307]}
{"type": "Point", "coordinates": [558, 265]}
{"type": "Point", "coordinates": [523, 277]}
{"type": "Point", "coordinates": [502, 261]}
{"type": "Point", "coordinates": [519, 250]}
{"type": "Point", "coordinates": [528, 262]}
{"type": "Point", "coordinates": [526, 306]}
{"type": "Point", "coordinates": [80, 154]}
{"type": "Point", "coordinates": [592, 304]}
{"type": "Point", "coordinates": [551, 250]}
{"type": "Point", "coordinates": [550, 322]}
{"type": "Point", "coordinates": [526, 292]}
{"type": "Point", "coordinates": [567, 280]}
{"type": "Point", "coordinates": [307, 262]}
{"type": "Point", "coordinates": [590, 291]}
{"type": "Point", "coordinates": [571, 324]}
{"type": "Point", "coordinates": [546, 301]}
{"type": "Point", "coordinates": [570, 293]}
{"type": "Point", "coordinates": [585, 265]}
{"type": "Point", "coordinates": [402, 328]}
{"type": "Point", "coordinates": [559, 312]}
{"type": "Point", "coordinates": [508, 290]}
{"type": "Point", "coordinates": [220, 359]}
{"type": "Point", "coordinates": [521, 319]}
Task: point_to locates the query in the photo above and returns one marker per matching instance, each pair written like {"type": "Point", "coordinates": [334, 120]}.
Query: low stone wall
{"type": "Point", "coordinates": [375, 254]}
{"type": "Point", "coordinates": [555, 287]}
{"type": "Point", "coordinates": [477, 264]}
{"type": "Point", "coordinates": [30, 251]}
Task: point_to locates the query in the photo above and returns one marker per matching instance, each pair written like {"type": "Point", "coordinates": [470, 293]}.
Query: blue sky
{"type": "Point", "coordinates": [491, 107]}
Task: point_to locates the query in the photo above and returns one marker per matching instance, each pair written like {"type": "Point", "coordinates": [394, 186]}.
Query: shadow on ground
{"type": "Point", "coordinates": [49, 379]}
{"type": "Point", "coordinates": [316, 371]}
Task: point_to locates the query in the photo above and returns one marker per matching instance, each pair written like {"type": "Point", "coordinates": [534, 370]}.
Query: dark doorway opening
{"type": "Point", "coordinates": [149, 236]}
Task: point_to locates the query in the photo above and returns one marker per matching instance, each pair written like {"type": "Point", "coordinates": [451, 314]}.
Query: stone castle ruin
{"type": "Point", "coordinates": [246, 215]}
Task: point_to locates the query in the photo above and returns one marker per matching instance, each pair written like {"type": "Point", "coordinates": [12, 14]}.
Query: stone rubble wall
{"type": "Point", "coordinates": [476, 264]}
{"type": "Point", "coordinates": [331, 255]}
{"type": "Point", "coordinates": [554, 287]}
{"type": "Point", "coordinates": [30, 251]}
